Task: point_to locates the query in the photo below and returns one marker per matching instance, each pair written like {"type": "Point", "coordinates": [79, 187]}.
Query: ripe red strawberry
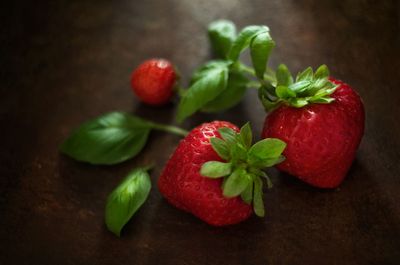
{"type": "Point", "coordinates": [153, 81]}
{"type": "Point", "coordinates": [217, 179]}
{"type": "Point", "coordinates": [322, 139]}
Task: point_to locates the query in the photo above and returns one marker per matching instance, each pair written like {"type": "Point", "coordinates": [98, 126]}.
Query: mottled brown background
{"type": "Point", "coordinates": [63, 62]}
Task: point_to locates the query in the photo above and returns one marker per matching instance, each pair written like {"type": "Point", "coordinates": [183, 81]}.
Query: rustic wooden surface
{"type": "Point", "coordinates": [67, 61]}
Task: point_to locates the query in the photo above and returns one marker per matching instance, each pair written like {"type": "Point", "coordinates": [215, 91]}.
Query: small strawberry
{"type": "Point", "coordinates": [153, 81]}
{"type": "Point", "coordinates": [321, 120]}
{"type": "Point", "coordinates": [215, 173]}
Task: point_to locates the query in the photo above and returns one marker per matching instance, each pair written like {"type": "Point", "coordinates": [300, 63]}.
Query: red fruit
{"type": "Point", "coordinates": [183, 186]}
{"type": "Point", "coordinates": [322, 139]}
{"type": "Point", "coordinates": [153, 81]}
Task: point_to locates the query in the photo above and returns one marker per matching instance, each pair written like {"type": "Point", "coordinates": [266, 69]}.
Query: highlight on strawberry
{"type": "Point", "coordinates": [320, 118]}
{"type": "Point", "coordinates": [216, 173]}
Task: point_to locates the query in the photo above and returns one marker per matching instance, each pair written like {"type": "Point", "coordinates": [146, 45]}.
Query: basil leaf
{"type": "Point", "coordinates": [283, 76]}
{"type": "Point", "coordinates": [108, 139]}
{"type": "Point", "coordinates": [215, 169]}
{"type": "Point", "coordinates": [231, 96]}
{"type": "Point", "coordinates": [221, 33]}
{"type": "Point", "coordinates": [236, 183]}
{"type": "Point", "coordinates": [208, 85]}
{"type": "Point", "coordinates": [243, 40]}
{"type": "Point", "coordinates": [260, 48]}
{"type": "Point", "coordinates": [258, 203]}
{"type": "Point", "coordinates": [204, 70]}
{"type": "Point", "coordinates": [268, 148]}
{"type": "Point", "coordinates": [220, 147]}
{"type": "Point", "coordinates": [126, 199]}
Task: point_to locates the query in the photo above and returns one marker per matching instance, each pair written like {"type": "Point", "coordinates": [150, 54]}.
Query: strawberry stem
{"type": "Point", "coordinates": [169, 128]}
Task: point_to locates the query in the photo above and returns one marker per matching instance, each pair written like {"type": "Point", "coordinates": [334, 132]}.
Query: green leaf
{"type": "Point", "coordinates": [263, 163]}
{"type": "Point", "coordinates": [108, 139]}
{"type": "Point", "coordinates": [284, 92]}
{"type": "Point", "coordinates": [126, 199]}
{"type": "Point", "coordinates": [220, 147]}
{"type": "Point", "coordinates": [243, 40]}
{"type": "Point", "coordinates": [258, 203]}
{"type": "Point", "coordinates": [306, 75]}
{"type": "Point", "coordinates": [268, 148]}
{"type": "Point", "coordinates": [206, 88]}
{"type": "Point", "coordinates": [283, 76]}
{"type": "Point", "coordinates": [300, 86]}
{"type": "Point", "coordinates": [298, 102]}
{"type": "Point", "coordinates": [260, 48]}
{"type": "Point", "coordinates": [322, 100]}
{"type": "Point", "coordinates": [319, 84]}
{"type": "Point", "coordinates": [221, 33]}
{"type": "Point", "coordinates": [246, 135]}
{"type": "Point", "coordinates": [215, 169]}
{"type": "Point", "coordinates": [268, 103]}
{"type": "Point", "coordinates": [269, 182]}
{"type": "Point", "coordinates": [228, 135]}
{"type": "Point", "coordinates": [247, 194]}
{"type": "Point", "coordinates": [238, 152]}
{"type": "Point", "coordinates": [308, 88]}
{"type": "Point", "coordinates": [236, 183]}
{"type": "Point", "coordinates": [204, 70]}
{"type": "Point", "coordinates": [322, 72]}
{"type": "Point", "coordinates": [231, 96]}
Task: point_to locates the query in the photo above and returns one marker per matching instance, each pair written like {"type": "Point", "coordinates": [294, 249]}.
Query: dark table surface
{"type": "Point", "coordinates": [65, 62]}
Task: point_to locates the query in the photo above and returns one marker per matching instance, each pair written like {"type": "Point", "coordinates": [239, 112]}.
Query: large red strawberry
{"type": "Point", "coordinates": [153, 81]}
{"type": "Point", "coordinates": [215, 173]}
{"type": "Point", "coordinates": [321, 120]}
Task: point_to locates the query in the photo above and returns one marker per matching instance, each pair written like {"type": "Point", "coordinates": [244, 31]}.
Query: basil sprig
{"type": "Point", "coordinates": [112, 138]}
{"type": "Point", "coordinates": [219, 85]}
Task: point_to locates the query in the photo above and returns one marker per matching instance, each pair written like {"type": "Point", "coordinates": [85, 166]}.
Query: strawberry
{"type": "Point", "coordinates": [153, 81]}
{"type": "Point", "coordinates": [322, 121]}
{"type": "Point", "coordinates": [215, 173]}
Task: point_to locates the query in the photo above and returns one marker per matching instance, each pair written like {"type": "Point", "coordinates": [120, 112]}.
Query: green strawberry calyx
{"type": "Point", "coordinates": [242, 170]}
{"type": "Point", "coordinates": [308, 87]}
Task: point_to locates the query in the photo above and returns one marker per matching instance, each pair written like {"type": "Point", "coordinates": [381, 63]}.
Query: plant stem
{"type": "Point", "coordinates": [148, 167]}
{"type": "Point", "coordinates": [170, 129]}
{"type": "Point", "coordinates": [269, 76]}
{"type": "Point", "coordinates": [253, 84]}
{"type": "Point", "coordinates": [180, 90]}
{"type": "Point", "coordinates": [247, 69]}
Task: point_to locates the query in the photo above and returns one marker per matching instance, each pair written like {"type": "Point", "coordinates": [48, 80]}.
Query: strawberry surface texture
{"type": "Point", "coordinates": [184, 187]}
{"type": "Point", "coordinates": [322, 139]}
